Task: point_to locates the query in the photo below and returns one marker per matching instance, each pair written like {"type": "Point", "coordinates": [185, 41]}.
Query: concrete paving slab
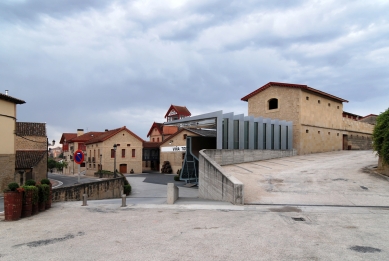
{"type": "Point", "coordinates": [69, 231]}
{"type": "Point", "coordinates": [333, 178]}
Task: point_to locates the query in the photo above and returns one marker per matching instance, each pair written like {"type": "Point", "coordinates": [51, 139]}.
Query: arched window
{"type": "Point", "coordinates": [273, 104]}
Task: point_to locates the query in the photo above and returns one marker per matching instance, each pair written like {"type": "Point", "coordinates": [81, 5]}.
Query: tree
{"type": "Point", "coordinates": [61, 165]}
{"type": "Point", "coordinates": [381, 136]}
{"type": "Point", "coordinates": [51, 164]}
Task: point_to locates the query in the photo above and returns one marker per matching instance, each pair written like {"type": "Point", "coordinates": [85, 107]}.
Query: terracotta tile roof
{"type": "Point", "coordinates": [31, 129]}
{"type": "Point", "coordinates": [290, 85]}
{"type": "Point", "coordinates": [181, 110]}
{"type": "Point", "coordinates": [11, 99]}
{"type": "Point", "coordinates": [148, 144]}
{"type": "Point", "coordinates": [345, 113]}
{"type": "Point", "coordinates": [169, 130]}
{"type": "Point", "coordinates": [68, 137]}
{"type": "Point", "coordinates": [108, 134]}
{"type": "Point", "coordinates": [26, 159]}
{"type": "Point", "coordinates": [87, 136]}
{"type": "Point", "coordinates": [370, 115]}
{"type": "Point", "coordinates": [155, 125]}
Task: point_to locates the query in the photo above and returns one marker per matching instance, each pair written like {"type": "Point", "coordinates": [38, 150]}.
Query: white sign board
{"type": "Point", "coordinates": [174, 149]}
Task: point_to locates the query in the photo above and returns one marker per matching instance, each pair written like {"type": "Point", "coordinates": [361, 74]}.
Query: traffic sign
{"type": "Point", "coordinates": [78, 157]}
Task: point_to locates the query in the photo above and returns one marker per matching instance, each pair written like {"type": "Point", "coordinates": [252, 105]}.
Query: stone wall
{"type": "Point", "coordinates": [228, 157]}
{"type": "Point", "coordinates": [357, 126]}
{"type": "Point", "coordinates": [217, 184]}
{"type": "Point", "coordinates": [360, 142]}
{"type": "Point", "coordinates": [31, 143]}
{"type": "Point", "coordinates": [7, 170]}
{"type": "Point", "coordinates": [111, 188]}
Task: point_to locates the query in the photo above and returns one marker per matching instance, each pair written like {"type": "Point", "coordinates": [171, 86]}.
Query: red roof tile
{"type": "Point", "coordinates": [87, 136]}
{"type": "Point", "coordinates": [27, 159]}
{"type": "Point", "coordinates": [181, 110]}
{"type": "Point", "coordinates": [108, 134]}
{"type": "Point", "coordinates": [155, 125]}
{"type": "Point", "coordinates": [148, 144]}
{"type": "Point", "coordinates": [290, 85]}
{"type": "Point", "coordinates": [68, 137]}
{"type": "Point", "coordinates": [31, 129]}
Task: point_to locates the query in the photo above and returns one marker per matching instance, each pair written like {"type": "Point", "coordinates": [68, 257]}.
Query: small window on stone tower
{"type": "Point", "coordinates": [273, 104]}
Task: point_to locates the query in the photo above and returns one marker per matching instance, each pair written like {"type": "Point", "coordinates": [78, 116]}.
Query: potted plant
{"type": "Point", "coordinates": [49, 199]}
{"type": "Point", "coordinates": [27, 200]}
{"type": "Point", "coordinates": [13, 196]}
{"type": "Point", "coordinates": [44, 191]}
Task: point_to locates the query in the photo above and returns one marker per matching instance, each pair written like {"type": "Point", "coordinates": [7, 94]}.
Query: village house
{"type": "Point", "coordinates": [319, 123]}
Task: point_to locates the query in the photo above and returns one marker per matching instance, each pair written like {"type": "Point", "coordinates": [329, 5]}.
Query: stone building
{"type": "Point", "coordinates": [318, 122]}
{"type": "Point", "coordinates": [31, 151]}
{"type": "Point", "coordinates": [7, 138]}
{"type": "Point", "coordinates": [101, 152]}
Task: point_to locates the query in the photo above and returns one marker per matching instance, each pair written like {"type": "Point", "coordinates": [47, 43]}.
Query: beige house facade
{"type": "Point", "coordinates": [318, 124]}
{"type": "Point", "coordinates": [101, 153]}
{"type": "Point", "coordinates": [7, 138]}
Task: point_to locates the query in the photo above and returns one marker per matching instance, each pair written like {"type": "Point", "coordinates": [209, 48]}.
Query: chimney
{"type": "Point", "coordinates": [80, 132]}
{"type": "Point", "coordinates": [6, 92]}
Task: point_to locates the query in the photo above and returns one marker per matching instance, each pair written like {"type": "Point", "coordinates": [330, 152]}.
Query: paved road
{"type": "Point", "coordinates": [71, 180]}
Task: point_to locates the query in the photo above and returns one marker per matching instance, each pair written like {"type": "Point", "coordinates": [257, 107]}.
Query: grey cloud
{"type": "Point", "coordinates": [30, 10]}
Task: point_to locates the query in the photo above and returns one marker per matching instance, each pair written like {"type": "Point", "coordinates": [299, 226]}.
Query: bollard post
{"type": "Point", "coordinates": [124, 197]}
{"type": "Point", "coordinates": [84, 199]}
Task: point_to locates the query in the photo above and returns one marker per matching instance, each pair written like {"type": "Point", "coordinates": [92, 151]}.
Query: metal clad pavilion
{"type": "Point", "coordinates": [234, 132]}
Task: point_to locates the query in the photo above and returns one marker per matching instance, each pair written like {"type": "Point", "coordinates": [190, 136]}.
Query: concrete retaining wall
{"type": "Point", "coordinates": [217, 184]}
{"type": "Point", "coordinates": [110, 188]}
{"type": "Point", "coordinates": [382, 167]}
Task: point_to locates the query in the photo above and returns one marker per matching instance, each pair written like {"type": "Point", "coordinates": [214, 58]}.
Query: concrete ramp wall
{"type": "Point", "coordinates": [105, 189]}
{"type": "Point", "coordinates": [217, 184]}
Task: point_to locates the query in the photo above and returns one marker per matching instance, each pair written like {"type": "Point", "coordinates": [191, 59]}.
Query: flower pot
{"type": "Point", "coordinates": [27, 204]}
{"type": "Point", "coordinates": [42, 206]}
{"type": "Point", "coordinates": [48, 202]}
{"type": "Point", "coordinates": [35, 209]}
{"type": "Point", "coordinates": [12, 205]}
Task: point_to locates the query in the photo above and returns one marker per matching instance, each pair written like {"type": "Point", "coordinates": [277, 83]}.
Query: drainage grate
{"type": "Point", "coordinates": [298, 219]}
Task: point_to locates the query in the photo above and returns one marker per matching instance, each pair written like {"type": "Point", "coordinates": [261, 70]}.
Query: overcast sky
{"type": "Point", "coordinates": [99, 64]}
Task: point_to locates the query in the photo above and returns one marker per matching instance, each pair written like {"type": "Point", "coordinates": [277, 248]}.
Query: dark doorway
{"type": "Point", "coordinates": [345, 142]}
{"type": "Point", "coordinates": [123, 168]}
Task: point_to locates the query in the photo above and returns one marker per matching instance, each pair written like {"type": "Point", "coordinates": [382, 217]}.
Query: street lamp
{"type": "Point", "coordinates": [101, 166]}
{"type": "Point", "coordinates": [114, 160]}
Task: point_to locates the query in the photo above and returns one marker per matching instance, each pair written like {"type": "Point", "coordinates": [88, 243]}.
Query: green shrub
{"type": "Point", "coordinates": [45, 181]}
{"type": "Point", "coordinates": [13, 186]}
{"type": "Point", "coordinates": [44, 192]}
{"type": "Point", "coordinates": [177, 177]}
{"type": "Point", "coordinates": [381, 136]}
{"type": "Point", "coordinates": [127, 189]}
{"type": "Point", "coordinates": [30, 188]}
{"type": "Point", "coordinates": [30, 182]}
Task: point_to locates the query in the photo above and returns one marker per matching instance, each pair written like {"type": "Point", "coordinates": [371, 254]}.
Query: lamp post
{"type": "Point", "coordinates": [101, 167]}
{"type": "Point", "coordinates": [48, 151]}
{"type": "Point", "coordinates": [114, 160]}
